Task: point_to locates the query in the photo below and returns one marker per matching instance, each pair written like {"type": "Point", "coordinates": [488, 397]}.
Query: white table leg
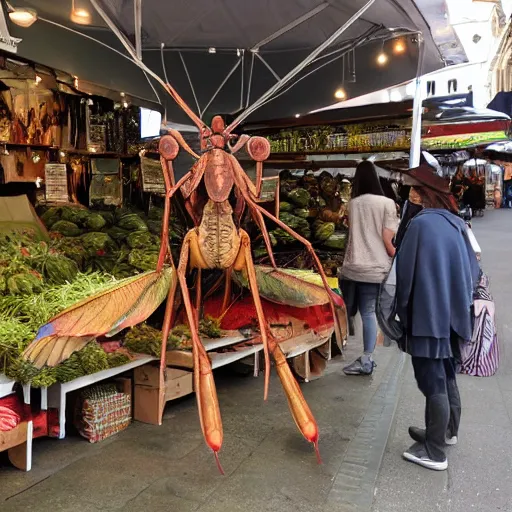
{"type": "Point", "coordinates": [62, 415]}
{"type": "Point", "coordinates": [256, 364]}
{"type": "Point", "coordinates": [44, 399]}
{"type": "Point", "coordinates": [26, 393]}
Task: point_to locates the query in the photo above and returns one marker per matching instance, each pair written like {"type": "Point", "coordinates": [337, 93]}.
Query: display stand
{"type": "Point", "coordinates": [57, 393]}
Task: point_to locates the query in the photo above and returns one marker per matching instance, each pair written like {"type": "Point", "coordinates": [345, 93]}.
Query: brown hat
{"type": "Point", "coordinates": [433, 190]}
{"type": "Point", "coordinates": [426, 177]}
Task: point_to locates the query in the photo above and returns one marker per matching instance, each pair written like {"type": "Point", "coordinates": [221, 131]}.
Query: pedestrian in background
{"type": "Point", "coordinates": [373, 222]}
{"type": "Point", "coordinates": [436, 273]}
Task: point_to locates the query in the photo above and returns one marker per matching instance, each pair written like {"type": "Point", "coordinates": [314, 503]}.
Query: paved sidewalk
{"type": "Point", "coordinates": [269, 467]}
{"type": "Point", "coordinates": [480, 466]}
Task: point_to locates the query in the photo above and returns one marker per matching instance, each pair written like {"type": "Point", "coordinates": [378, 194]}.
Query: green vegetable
{"type": "Point", "coordinates": [303, 213]}
{"type": "Point", "coordinates": [298, 224]}
{"type": "Point", "coordinates": [59, 269]}
{"type": "Point", "coordinates": [69, 370]}
{"type": "Point", "coordinates": [74, 214]}
{"type": "Point", "coordinates": [210, 327]}
{"type": "Point", "coordinates": [337, 241]}
{"type": "Point", "coordinates": [143, 260]}
{"type": "Point", "coordinates": [68, 247]}
{"type": "Point", "coordinates": [144, 339]}
{"type": "Point", "coordinates": [45, 378]}
{"type": "Point", "coordinates": [66, 228]}
{"type": "Point", "coordinates": [117, 234]}
{"type": "Point", "coordinates": [24, 284]}
{"type": "Point", "coordinates": [109, 217]}
{"type": "Point", "coordinates": [155, 227]}
{"type": "Point", "coordinates": [95, 222]}
{"type": "Point", "coordinates": [282, 236]}
{"type": "Point", "coordinates": [132, 222]}
{"type": "Point", "coordinates": [51, 216]}
{"type": "Point", "coordinates": [142, 240]}
{"type": "Point", "coordinates": [299, 196]}
{"type": "Point", "coordinates": [93, 358]}
{"type": "Point", "coordinates": [35, 310]}
{"type": "Point", "coordinates": [97, 241]}
{"type": "Point", "coordinates": [116, 359]}
{"type": "Point", "coordinates": [325, 231]}
{"type": "Point", "coordinates": [285, 206]}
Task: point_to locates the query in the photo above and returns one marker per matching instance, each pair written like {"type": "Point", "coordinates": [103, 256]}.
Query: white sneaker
{"type": "Point", "coordinates": [418, 455]}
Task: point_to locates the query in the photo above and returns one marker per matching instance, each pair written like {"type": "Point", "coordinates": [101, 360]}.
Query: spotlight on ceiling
{"type": "Point", "coordinates": [23, 17]}
{"type": "Point", "coordinates": [382, 59]}
{"type": "Point", "coordinates": [399, 46]}
{"type": "Point", "coordinates": [340, 94]}
{"type": "Point", "coordinates": [80, 16]}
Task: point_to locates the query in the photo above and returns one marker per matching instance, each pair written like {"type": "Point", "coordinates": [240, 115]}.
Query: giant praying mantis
{"type": "Point", "coordinates": [216, 191]}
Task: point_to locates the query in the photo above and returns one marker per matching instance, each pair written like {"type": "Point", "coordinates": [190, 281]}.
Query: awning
{"type": "Point", "coordinates": [221, 55]}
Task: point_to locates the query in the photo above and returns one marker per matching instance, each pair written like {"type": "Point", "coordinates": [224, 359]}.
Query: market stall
{"type": "Point", "coordinates": [93, 223]}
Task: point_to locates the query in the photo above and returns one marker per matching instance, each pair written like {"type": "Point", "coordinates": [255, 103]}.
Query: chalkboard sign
{"type": "Point", "coordinates": [152, 176]}
{"type": "Point", "coordinates": [106, 187]}
{"type": "Point", "coordinates": [56, 183]}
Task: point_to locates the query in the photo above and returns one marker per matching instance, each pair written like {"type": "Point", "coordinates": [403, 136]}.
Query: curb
{"type": "Point", "coordinates": [354, 485]}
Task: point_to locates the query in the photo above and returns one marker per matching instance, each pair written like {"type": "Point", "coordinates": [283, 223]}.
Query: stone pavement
{"type": "Point", "coordinates": [480, 466]}
{"type": "Point", "coordinates": [269, 467]}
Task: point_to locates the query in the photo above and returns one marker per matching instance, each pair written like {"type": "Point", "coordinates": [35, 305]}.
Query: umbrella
{"type": "Point", "coordinates": [251, 59]}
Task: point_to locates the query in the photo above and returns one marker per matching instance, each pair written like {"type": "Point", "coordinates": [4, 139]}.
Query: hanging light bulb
{"type": "Point", "coordinates": [23, 17]}
{"type": "Point", "coordinates": [382, 59]}
{"type": "Point", "coordinates": [79, 15]}
{"type": "Point", "coordinates": [399, 46]}
{"type": "Point", "coordinates": [297, 116]}
{"type": "Point", "coordinates": [340, 94]}
{"type": "Point", "coordinates": [38, 79]}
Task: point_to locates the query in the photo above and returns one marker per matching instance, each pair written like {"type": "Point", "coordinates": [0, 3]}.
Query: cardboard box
{"type": "Point", "coordinates": [145, 407]}
{"type": "Point", "coordinates": [179, 383]}
{"type": "Point", "coordinates": [124, 385]}
{"type": "Point", "coordinates": [180, 358]}
{"type": "Point", "coordinates": [149, 375]}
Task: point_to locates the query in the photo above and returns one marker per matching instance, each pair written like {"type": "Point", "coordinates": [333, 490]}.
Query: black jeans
{"type": "Point", "coordinates": [436, 380]}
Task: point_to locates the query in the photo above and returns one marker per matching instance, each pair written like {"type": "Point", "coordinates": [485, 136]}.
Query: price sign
{"type": "Point", "coordinates": [152, 176]}
{"type": "Point", "coordinates": [56, 183]}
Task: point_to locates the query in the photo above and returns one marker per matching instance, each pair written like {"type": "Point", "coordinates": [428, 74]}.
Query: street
{"type": "Point", "coordinates": [363, 431]}
{"type": "Point", "coordinates": [480, 466]}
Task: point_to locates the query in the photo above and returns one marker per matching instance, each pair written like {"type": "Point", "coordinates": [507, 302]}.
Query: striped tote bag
{"type": "Point", "coordinates": [481, 356]}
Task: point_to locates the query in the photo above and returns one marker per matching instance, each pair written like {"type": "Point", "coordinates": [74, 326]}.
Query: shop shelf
{"type": "Point", "coordinates": [219, 359]}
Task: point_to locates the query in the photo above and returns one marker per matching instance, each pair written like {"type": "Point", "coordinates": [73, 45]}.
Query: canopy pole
{"type": "Point", "coordinates": [415, 154]}
{"type": "Point", "coordinates": [290, 26]}
{"type": "Point", "coordinates": [235, 67]}
{"type": "Point", "coordinates": [189, 80]}
{"type": "Point", "coordinates": [268, 66]}
{"type": "Point", "coordinates": [137, 14]}
{"type": "Point", "coordinates": [310, 58]}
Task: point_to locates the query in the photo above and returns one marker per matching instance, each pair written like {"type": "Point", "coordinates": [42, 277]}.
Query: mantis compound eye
{"type": "Point", "coordinates": [168, 147]}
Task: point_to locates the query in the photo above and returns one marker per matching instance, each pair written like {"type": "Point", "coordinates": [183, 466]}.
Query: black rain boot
{"type": "Point", "coordinates": [438, 416]}
{"type": "Point", "coordinates": [455, 412]}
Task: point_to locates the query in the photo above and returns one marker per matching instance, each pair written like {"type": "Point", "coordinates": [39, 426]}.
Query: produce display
{"type": "Point", "coordinates": [315, 207]}
{"type": "Point", "coordinates": [347, 138]}
{"type": "Point", "coordinates": [39, 279]}
{"type": "Point", "coordinates": [121, 242]}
